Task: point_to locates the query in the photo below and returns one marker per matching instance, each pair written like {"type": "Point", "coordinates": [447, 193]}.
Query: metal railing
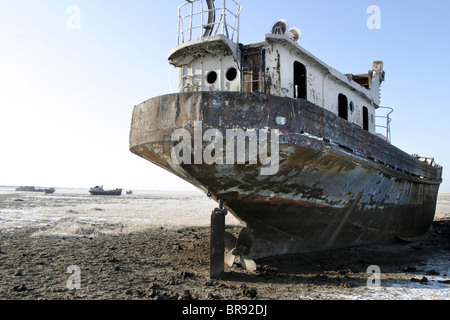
{"type": "Point", "coordinates": [388, 122]}
{"type": "Point", "coordinates": [196, 21]}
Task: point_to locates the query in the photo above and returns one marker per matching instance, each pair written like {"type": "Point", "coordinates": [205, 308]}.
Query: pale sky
{"type": "Point", "coordinates": [67, 95]}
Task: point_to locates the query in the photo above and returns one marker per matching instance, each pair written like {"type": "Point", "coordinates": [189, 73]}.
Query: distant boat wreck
{"type": "Point", "coordinates": [34, 189]}
{"type": "Point", "coordinates": [99, 191]}
{"type": "Point", "coordinates": [29, 189]}
{"type": "Point", "coordinates": [49, 190]}
{"type": "Point", "coordinates": [130, 192]}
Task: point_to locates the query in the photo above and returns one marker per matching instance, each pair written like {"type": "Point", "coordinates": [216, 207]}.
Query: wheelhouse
{"type": "Point", "coordinates": [209, 57]}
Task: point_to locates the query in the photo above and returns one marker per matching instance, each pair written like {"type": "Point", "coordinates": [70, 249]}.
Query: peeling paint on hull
{"type": "Point", "coordinates": [337, 185]}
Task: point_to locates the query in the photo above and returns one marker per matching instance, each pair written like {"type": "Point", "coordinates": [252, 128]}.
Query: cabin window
{"type": "Point", "coordinates": [365, 118]}
{"type": "Point", "coordinates": [343, 107]}
{"type": "Point", "coordinates": [231, 74]}
{"type": "Point", "coordinates": [299, 80]}
{"type": "Point", "coordinates": [211, 77]}
{"type": "Point", "coordinates": [352, 106]}
{"type": "Point", "coordinates": [253, 70]}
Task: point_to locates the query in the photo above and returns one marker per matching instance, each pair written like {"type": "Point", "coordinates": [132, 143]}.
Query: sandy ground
{"type": "Point", "coordinates": [174, 264]}
{"type": "Point", "coordinates": [72, 246]}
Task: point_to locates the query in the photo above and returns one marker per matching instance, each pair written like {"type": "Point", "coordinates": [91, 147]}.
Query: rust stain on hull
{"type": "Point", "coordinates": [337, 185]}
{"type": "Point", "coordinates": [274, 200]}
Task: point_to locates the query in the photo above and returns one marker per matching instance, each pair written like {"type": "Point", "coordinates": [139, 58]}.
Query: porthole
{"type": "Point", "coordinates": [211, 77]}
{"type": "Point", "coordinates": [352, 106]}
{"type": "Point", "coordinates": [281, 119]}
{"type": "Point", "coordinates": [231, 74]}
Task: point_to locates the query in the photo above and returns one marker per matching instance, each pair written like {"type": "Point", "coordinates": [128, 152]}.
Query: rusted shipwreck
{"type": "Point", "coordinates": [336, 181]}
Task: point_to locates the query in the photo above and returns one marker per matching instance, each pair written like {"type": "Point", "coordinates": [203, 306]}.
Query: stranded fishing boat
{"type": "Point", "coordinates": [99, 191]}
{"type": "Point", "coordinates": [49, 190]}
{"type": "Point", "coordinates": [29, 189]}
{"type": "Point", "coordinates": [286, 142]}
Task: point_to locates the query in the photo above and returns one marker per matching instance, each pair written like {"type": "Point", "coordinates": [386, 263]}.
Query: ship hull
{"type": "Point", "coordinates": [106, 192]}
{"type": "Point", "coordinates": [336, 185]}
